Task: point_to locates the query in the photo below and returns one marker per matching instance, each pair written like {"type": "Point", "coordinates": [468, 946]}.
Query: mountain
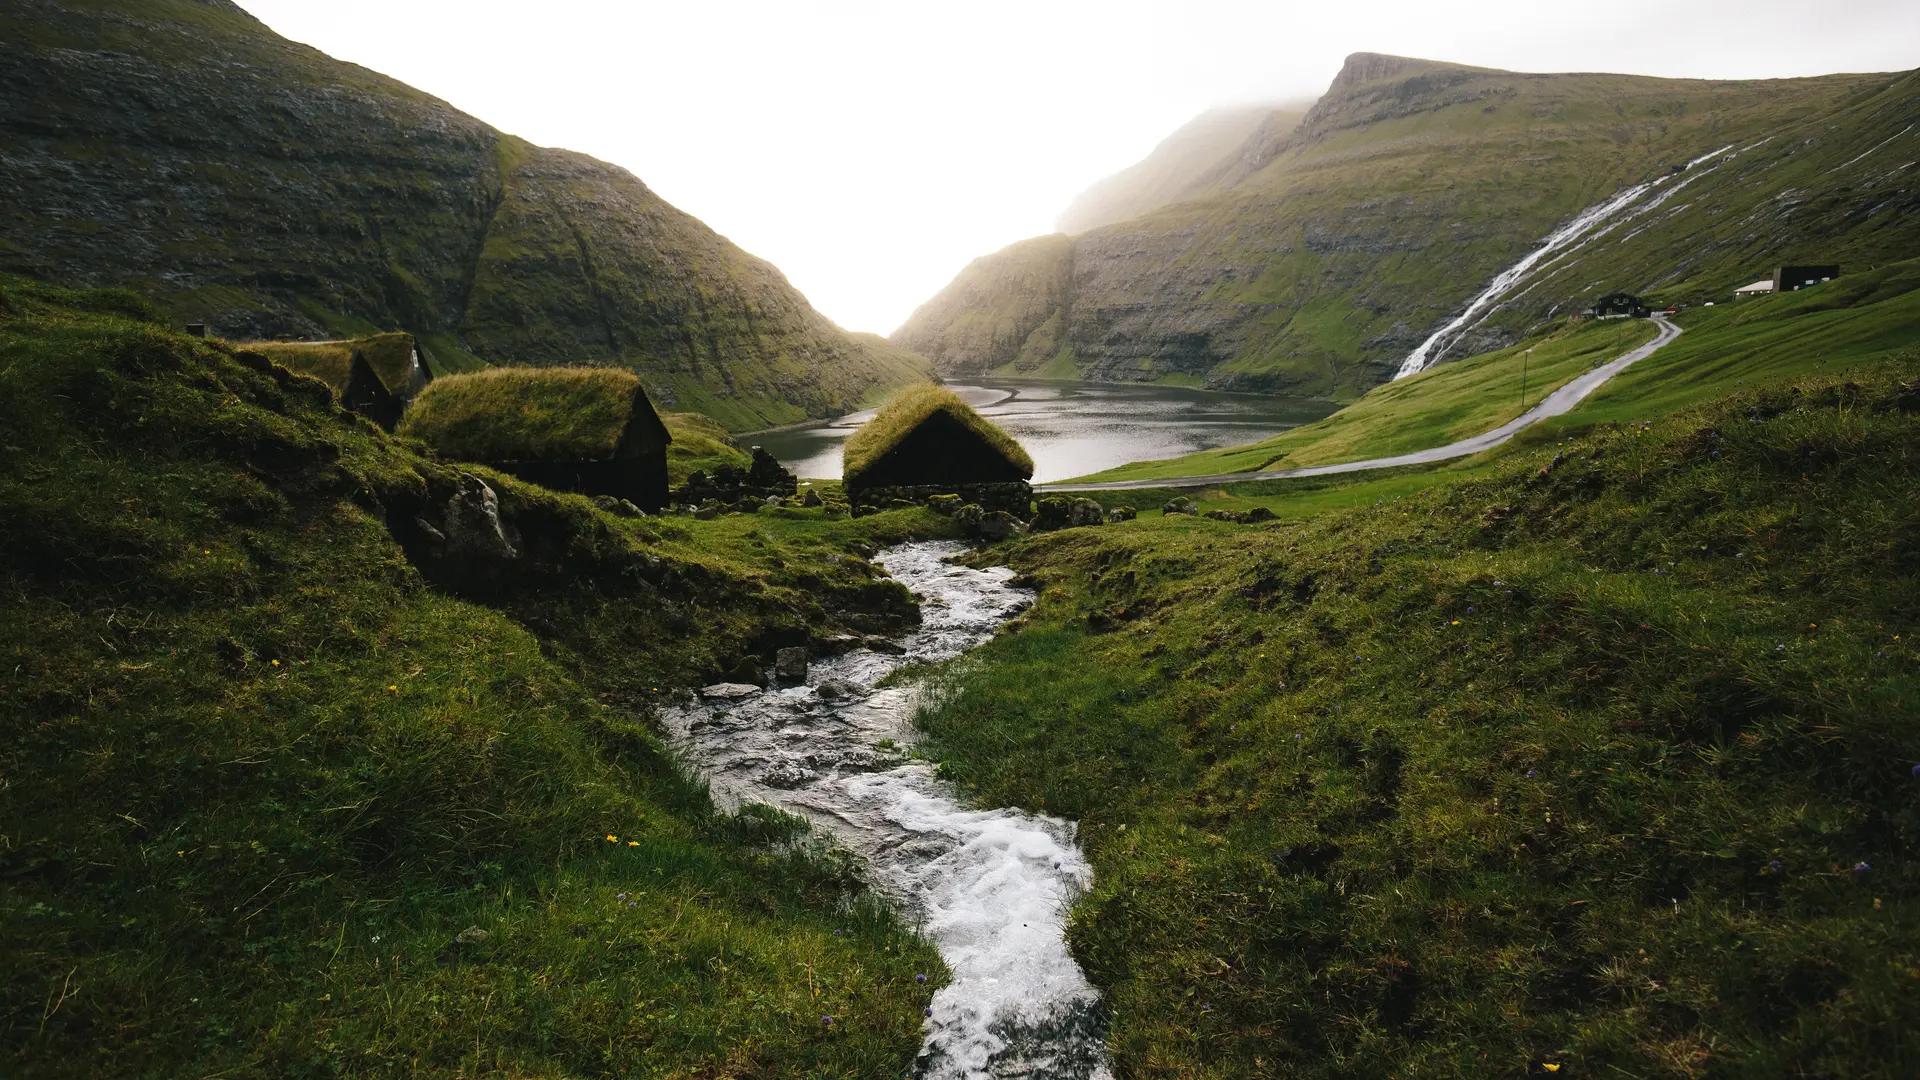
{"type": "Point", "coordinates": [1177, 168]}
{"type": "Point", "coordinates": [183, 149]}
{"type": "Point", "coordinates": [1320, 256]}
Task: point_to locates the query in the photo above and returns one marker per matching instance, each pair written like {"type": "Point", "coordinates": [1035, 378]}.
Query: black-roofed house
{"type": "Point", "coordinates": [927, 441]}
{"type": "Point", "coordinates": [373, 376]}
{"type": "Point", "coordinates": [588, 430]}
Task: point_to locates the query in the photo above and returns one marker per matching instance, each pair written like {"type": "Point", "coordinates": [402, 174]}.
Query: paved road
{"type": "Point", "coordinates": [1556, 403]}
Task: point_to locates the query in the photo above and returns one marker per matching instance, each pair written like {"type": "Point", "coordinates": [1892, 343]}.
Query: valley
{"type": "Point", "coordinates": [1310, 634]}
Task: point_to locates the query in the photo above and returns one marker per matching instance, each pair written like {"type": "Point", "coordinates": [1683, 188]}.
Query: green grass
{"type": "Point", "coordinates": [909, 409]}
{"type": "Point", "coordinates": [1563, 761]}
{"type": "Point", "coordinates": [267, 755]}
{"type": "Point", "coordinates": [699, 444]}
{"type": "Point", "coordinates": [1438, 406]}
{"type": "Point", "coordinates": [1857, 319]}
{"type": "Point", "coordinates": [540, 414]}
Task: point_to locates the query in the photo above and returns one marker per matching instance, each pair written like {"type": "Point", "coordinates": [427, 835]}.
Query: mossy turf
{"type": "Point", "coordinates": [1597, 761]}
{"type": "Point", "coordinates": [284, 796]}
{"type": "Point", "coordinates": [910, 408]}
{"type": "Point", "coordinates": [699, 444]}
{"type": "Point", "coordinates": [524, 414]}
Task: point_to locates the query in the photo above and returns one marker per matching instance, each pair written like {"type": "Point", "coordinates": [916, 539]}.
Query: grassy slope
{"type": "Point", "coordinates": [1438, 406]}
{"type": "Point", "coordinates": [304, 197]}
{"type": "Point", "coordinates": [1567, 764]}
{"type": "Point", "coordinates": [1339, 247]}
{"type": "Point", "coordinates": [262, 763]}
{"type": "Point", "coordinates": [699, 444]}
{"type": "Point", "coordinates": [1857, 319]}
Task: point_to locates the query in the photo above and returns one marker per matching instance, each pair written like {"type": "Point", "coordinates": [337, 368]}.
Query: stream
{"type": "Point", "coordinates": [990, 888]}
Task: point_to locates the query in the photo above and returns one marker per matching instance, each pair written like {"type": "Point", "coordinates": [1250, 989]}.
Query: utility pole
{"type": "Point", "coordinates": [1524, 357]}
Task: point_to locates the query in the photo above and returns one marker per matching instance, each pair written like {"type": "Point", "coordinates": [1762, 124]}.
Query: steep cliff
{"type": "Point", "coordinates": [1320, 255]}
{"type": "Point", "coordinates": [181, 148]}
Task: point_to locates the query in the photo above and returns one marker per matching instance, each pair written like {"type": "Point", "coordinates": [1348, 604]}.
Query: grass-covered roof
{"type": "Point", "coordinates": [390, 355]}
{"type": "Point", "coordinates": [534, 414]}
{"type": "Point", "coordinates": [931, 424]}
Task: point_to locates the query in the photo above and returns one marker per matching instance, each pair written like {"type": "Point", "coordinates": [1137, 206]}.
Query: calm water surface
{"type": "Point", "coordinates": [1073, 429]}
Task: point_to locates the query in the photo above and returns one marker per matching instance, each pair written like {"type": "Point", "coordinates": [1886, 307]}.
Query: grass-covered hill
{"type": "Point", "coordinates": [306, 769]}
{"type": "Point", "coordinates": [1858, 319]}
{"type": "Point", "coordinates": [1597, 759]}
{"type": "Point", "coordinates": [1180, 167]}
{"type": "Point", "coordinates": [1325, 253]}
{"type": "Point", "coordinates": [182, 149]}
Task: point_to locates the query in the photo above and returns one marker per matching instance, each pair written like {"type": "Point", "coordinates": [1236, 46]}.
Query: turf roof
{"type": "Point", "coordinates": [907, 411]}
{"type": "Point", "coordinates": [390, 355]}
{"type": "Point", "coordinates": [532, 414]}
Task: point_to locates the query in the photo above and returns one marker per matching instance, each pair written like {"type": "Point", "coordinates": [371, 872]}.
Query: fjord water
{"type": "Point", "coordinates": [990, 888]}
{"type": "Point", "coordinates": [1073, 429]}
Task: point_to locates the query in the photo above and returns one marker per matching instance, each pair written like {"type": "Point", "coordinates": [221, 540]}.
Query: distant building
{"type": "Point", "coordinates": [1618, 305]}
{"type": "Point", "coordinates": [1758, 288]}
{"type": "Point", "coordinates": [1789, 278]}
{"type": "Point", "coordinates": [373, 376]}
{"type": "Point", "coordinates": [590, 430]}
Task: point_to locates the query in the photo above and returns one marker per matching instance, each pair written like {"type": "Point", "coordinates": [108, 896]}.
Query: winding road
{"type": "Point", "coordinates": [1555, 404]}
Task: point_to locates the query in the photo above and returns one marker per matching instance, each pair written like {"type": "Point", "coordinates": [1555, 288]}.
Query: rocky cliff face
{"type": "Point", "coordinates": [181, 148]}
{"type": "Point", "coordinates": [1319, 255]}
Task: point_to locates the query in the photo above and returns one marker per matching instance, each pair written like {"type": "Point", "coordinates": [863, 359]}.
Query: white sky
{"type": "Point", "coordinates": [870, 149]}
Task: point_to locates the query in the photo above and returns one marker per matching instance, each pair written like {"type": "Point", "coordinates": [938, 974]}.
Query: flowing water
{"type": "Point", "coordinates": [990, 888]}
{"type": "Point", "coordinates": [1073, 429]}
{"type": "Point", "coordinates": [1603, 217]}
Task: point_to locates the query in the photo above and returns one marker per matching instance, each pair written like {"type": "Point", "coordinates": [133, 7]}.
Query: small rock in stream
{"type": "Point", "coordinates": [790, 664]}
{"type": "Point", "coordinates": [728, 691]}
{"type": "Point", "coordinates": [838, 689]}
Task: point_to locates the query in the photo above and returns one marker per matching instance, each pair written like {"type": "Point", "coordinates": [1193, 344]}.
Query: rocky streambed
{"type": "Point", "coordinates": [990, 888]}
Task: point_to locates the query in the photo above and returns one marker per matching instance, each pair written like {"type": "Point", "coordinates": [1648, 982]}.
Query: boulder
{"type": "Point", "coordinates": [1001, 525]}
{"type": "Point", "coordinates": [473, 526]}
{"type": "Point", "coordinates": [1086, 512]}
{"type": "Point", "coordinates": [1052, 513]}
{"type": "Point", "coordinates": [1122, 513]}
{"type": "Point", "coordinates": [944, 504]}
{"type": "Point", "coordinates": [706, 513]}
{"type": "Point", "coordinates": [968, 516]}
{"type": "Point", "coordinates": [746, 506]}
{"type": "Point", "coordinates": [747, 671]}
{"type": "Point", "coordinates": [1257, 515]}
{"type": "Point", "coordinates": [811, 498]}
{"type": "Point", "coordinates": [1180, 506]}
{"type": "Point", "coordinates": [790, 664]}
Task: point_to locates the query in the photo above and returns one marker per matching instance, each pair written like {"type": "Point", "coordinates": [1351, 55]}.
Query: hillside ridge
{"type": "Point", "coordinates": [254, 184]}
{"type": "Point", "coordinates": [1316, 257]}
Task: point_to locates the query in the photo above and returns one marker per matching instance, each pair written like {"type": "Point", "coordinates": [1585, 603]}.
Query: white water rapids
{"type": "Point", "coordinates": [990, 888]}
{"type": "Point", "coordinates": [1573, 233]}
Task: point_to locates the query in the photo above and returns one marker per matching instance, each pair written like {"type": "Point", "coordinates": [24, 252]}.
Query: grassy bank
{"type": "Point", "coordinates": [1595, 763]}
{"type": "Point", "coordinates": [1438, 406]}
{"type": "Point", "coordinates": [292, 788]}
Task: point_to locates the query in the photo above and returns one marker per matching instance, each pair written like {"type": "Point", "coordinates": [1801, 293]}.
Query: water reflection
{"type": "Point", "coordinates": [1073, 429]}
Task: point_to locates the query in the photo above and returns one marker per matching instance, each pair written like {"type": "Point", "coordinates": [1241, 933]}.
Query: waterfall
{"type": "Point", "coordinates": [1566, 236]}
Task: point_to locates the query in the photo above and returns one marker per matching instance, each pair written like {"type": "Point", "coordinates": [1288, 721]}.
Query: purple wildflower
{"type": "Point", "coordinates": [920, 979]}
{"type": "Point", "coordinates": [619, 896]}
{"type": "Point", "coordinates": [1861, 867]}
{"type": "Point", "coordinates": [827, 1020]}
{"type": "Point", "coordinates": [1916, 770]}
{"type": "Point", "coordinates": [929, 1010]}
{"type": "Point", "coordinates": [1774, 866]}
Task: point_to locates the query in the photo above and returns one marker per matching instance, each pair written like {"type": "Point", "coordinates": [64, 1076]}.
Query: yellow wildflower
{"type": "Point", "coordinates": [275, 663]}
{"type": "Point", "coordinates": [394, 689]}
{"type": "Point", "coordinates": [612, 839]}
{"type": "Point", "coordinates": [1456, 622]}
{"type": "Point", "coordinates": [633, 843]}
{"type": "Point", "coordinates": [1551, 1066]}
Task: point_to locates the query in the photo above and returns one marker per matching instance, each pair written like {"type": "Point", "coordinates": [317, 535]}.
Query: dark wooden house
{"type": "Point", "coordinates": [590, 430]}
{"type": "Point", "coordinates": [374, 376]}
